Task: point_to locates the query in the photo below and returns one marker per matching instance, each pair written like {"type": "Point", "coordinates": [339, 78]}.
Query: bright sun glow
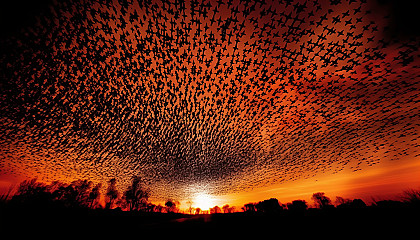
{"type": "Point", "coordinates": [204, 201]}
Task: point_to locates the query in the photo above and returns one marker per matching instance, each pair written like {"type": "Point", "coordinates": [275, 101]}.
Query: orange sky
{"type": "Point", "coordinates": [252, 102]}
{"type": "Point", "coordinates": [383, 181]}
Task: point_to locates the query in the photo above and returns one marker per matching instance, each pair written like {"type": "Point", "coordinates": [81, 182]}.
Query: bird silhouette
{"type": "Point", "coordinates": [228, 95]}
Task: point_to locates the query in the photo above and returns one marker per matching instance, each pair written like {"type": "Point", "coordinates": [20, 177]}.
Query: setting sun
{"type": "Point", "coordinates": [236, 114]}
{"type": "Point", "coordinates": [204, 201]}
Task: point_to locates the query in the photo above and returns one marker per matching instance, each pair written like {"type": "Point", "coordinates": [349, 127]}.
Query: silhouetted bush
{"type": "Point", "coordinates": [354, 204]}
{"type": "Point", "coordinates": [249, 208]}
{"type": "Point", "coordinates": [33, 194]}
{"type": "Point", "coordinates": [389, 204]}
{"type": "Point", "coordinates": [171, 206]}
{"type": "Point", "coordinates": [269, 206]}
{"type": "Point", "coordinates": [297, 206]}
{"type": "Point", "coordinates": [80, 198]}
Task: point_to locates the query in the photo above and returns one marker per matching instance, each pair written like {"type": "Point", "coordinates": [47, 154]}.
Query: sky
{"type": "Point", "coordinates": [234, 101]}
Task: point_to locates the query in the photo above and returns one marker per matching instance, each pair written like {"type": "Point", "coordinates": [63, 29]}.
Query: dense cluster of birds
{"type": "Point", "coordinates": [223, 96]}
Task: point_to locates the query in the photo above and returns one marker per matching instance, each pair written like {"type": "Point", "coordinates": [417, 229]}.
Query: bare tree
{"type": "Point", "coordinates": [411, 196]}
{"type": "Point", "coordinates": [111, 194]}
{"type": "Point", "coordinates": [94, 195]}
{"type": "Point", "coordinates": [136, 196]}
{"type": "Point", "coordinates": [190, 208]}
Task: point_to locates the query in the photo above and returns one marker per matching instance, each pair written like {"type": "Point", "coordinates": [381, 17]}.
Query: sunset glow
{"type": "Point", "coordinates": [204, 201]}
{"type": "Point", "coordinates": [213, 102]}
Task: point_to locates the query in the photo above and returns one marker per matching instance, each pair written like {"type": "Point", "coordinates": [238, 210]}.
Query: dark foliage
{"type": "Point", "coordinates": [321, 201]}
{"type": "Point", "coordinates": [112, 194]}
{"type": "Point", "coordinates": [136, 196]}
{"type": "Point", "coordinates": [269, 206]}
{"type": "Point", "coordinates": [76, 206]}
{"type": "Point", "coordinates": [297, 206]}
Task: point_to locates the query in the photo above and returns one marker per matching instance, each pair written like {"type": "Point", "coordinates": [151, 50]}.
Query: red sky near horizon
{"type": "Point", "coordinates": [238, 101]}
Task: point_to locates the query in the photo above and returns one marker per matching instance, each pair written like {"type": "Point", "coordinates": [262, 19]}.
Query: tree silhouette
{"type": "Point", "coordinates": [77, 194]}
{"type": "Point", "coordinates": [297, 206]}
{"type": "Point", "coordinates": [271, 205]}
{"type": "Point", "coordinates": [136, 197]}
{"type": "Point", "coordinates": [342, 201]}
{"type": "Point", "coordinates": [358, 203]}
{"type": "Point", "coordinates": [321, 201]}
{"type": "Point", "coordinates": [215, 209]}
{"type": "Point", "coordinates": [348, 203]}
{"type": "Point", "coordinates": [411, 197]}
{"type": "Point", "coordinates": [171, 206]}
{"type": "Point", "coordinates": [5, 196]}
{"type": "Point", "coordinates": [32, 194]}
{"type": "Point", "coordinates": [268, 206]}
{"type": "Point", "coordinates": [388, 204]}
{"type": "Point", "coordinates": [197, 210]}
{"type": "Point", "coordinates": [249, 208]}
{"type": "Point", "coordinates": [112, 194]}
{"type": "Point", "coordinates": [227, 209]}
{"type": "Point", "coordinates": [94, 196]}
{"type": "Point", "coordinates": [190, 208]}
{"type": "Point", "coordinates": [158, 208]}
{"type": "Point", "coordinates": [37, 198]}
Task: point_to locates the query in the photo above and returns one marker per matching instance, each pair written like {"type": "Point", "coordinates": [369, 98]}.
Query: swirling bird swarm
{"type": "Point", "coordinates": [221, 95]}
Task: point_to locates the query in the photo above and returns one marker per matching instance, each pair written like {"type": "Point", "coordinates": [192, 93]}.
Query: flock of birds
{"type": "Point", "coordinates": [220, 96]}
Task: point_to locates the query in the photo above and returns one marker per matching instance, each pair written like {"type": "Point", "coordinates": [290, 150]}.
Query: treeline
{"type": "Point", "coordinates": [84, 194]}
{"type": "Point", "coordinates": [409, 198]}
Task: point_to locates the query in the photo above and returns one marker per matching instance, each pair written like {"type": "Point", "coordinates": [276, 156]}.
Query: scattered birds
{"type": "Point", "coordinates": [224, 96]}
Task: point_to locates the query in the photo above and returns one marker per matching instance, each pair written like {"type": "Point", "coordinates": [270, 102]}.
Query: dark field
{"type": "Point", "coordinates": [72, 210]}
{"type": "Point", "coordinates": [396, 220]}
